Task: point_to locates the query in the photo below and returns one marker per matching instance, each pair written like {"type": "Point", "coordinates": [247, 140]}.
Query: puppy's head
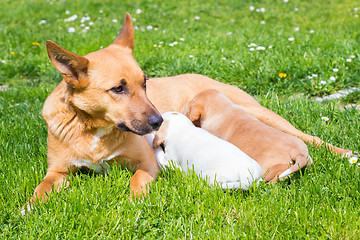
{"type": "Point", "coordinates": [108, 84]}
{"type": "Point", "coordinates": [202, 104]}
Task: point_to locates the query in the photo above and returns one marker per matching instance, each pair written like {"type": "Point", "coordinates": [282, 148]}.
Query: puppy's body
{"type": "Point", "coordinates": [273, 149]}
{"type": "Point", "coordinates": [209, 156]}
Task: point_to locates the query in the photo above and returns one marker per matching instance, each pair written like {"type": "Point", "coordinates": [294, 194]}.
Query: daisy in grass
{"type": "Point", "coordinates": [325, 119]}
{"type": "Point", "coordinates": [353, 160]}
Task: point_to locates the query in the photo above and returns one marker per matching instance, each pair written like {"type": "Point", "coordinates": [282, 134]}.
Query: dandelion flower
{"type": "Point", "coordinates": [335, 70]}
{"type": "Point", "coordinates": [353, 160]}
{"type": "Point", "coordinates": [332, 78]}
{"type": "Point", "coordinates": [138, 11]}
{"type": "Point", "coordinates": [36, 44]}
{"type": "Point", "coordinates": [291, 39]}
{"type": "Point", "coordinates": [322, 82]}
{"type": "Point", "coordinates": [71, 29]}
{"type": "Point", "coordinates": [12, 53]}
{"type": "Point", "coordinates": [282, 75]}
{"type": "Point", "coordinates": [252, 8]}
{"type": "Point", "coordinates": [191, 56]}
{"type": "Point", "coordinates": [325, 119]}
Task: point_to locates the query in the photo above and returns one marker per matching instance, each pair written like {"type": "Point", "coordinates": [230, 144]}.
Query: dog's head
{"type": "Point", "coordinates": [108, 84]}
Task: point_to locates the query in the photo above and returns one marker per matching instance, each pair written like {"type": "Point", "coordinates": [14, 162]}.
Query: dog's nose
{"type": "Point", "coordinates": [155, 121]}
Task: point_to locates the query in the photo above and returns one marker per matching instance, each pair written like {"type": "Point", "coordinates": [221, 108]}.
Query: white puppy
{"type": "Point", "coordinates": [178, 140]}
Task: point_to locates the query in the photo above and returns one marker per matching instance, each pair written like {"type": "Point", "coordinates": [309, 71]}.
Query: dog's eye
{"type": "Point", "coordinates": [118, 89]}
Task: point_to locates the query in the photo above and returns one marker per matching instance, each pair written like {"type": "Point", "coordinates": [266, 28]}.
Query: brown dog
{"type": "Point", "coordinates": [274, 150]}
{"type": "Point", "coordinates": [100, 111]}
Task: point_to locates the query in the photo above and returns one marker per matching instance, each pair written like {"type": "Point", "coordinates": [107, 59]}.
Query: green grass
{"type": "Point", "coordinates": [320, 203]}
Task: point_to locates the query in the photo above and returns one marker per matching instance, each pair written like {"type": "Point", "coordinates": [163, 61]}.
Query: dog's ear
{"type": "Point", "coordinates": [194, 114]}
{"type": "Point", "coordinates": [126, 35]}
{"type": "Point", "coordinates": [73, 67]}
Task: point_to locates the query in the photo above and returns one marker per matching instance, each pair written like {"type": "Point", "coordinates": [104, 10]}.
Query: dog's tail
{"type": "Point", "coordinates": [301, 161]}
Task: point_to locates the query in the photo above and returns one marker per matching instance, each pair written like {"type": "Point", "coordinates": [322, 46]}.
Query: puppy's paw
{"type": "Point", "coordinates": [26, 209]}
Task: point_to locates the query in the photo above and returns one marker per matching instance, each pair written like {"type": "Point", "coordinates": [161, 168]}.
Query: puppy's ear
{"type": "Point", "coordinates": [73, 67]}
{"type": "Point", "coordinates": [126, 35]}
{"type": "Point", "coordinates": [160, 135]}
{"type": "Point", "coordinates": [194, 114]}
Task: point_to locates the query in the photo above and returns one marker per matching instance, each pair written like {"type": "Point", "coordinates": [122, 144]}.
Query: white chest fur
{"type": "Point", "coordinates": [101, 167]}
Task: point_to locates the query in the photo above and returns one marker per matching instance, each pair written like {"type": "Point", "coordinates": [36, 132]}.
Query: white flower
{"type": "Point", "coordinates": [233, 61]}
{"type": "Point", "coordinates": [161, 42]}
{"type": "Point", "coordinates": [171, 44]}
{"type": "Point", "coordinates": [325, 119]}
{"type": "Point", "coordinates": [335, 70]}
{"type": "Point", "coordinates": [262, 9]}
{"type": "Point", "coordinates": [296, 9]}
{"type": "Point", "coordinates": [285, 1]}
{"type": "Point", "coordinates": [353, 160]}
{"type": "Point", "coordinates": [352, 56]}
{"type": "Point", "coordinates": [70, 19]}
{"type": "Point", "coordinates": [270, 47]}
{"type": "Point", "coordinates": [291, 39]}
{"type": "Point", "coordinates": [3, 61]}
{"type": "Point", "coordinates": [332, 78]}
{"type": "Point", "coordinates": [84, 19]}
{"type": "Point", "coordinates": [154, 45]}
{"type": "Point", "coordinates": [296, 29]}
{"type": "Point", "coordinates": [197, 17]}
{"type": "Point", "coordinates": [114, 20]}
{"type": "Point", "coordinates": [323, 83]}
{"type": "Point", "coordinates": [87, 28]}
{"type": "Point", "coordinates": [175, 43]}
{"type": "Point", "coordinates": [252, 49]}
{"type": "Point", "coordinates": [228, 33]}
{"type": "Point", "coordinates": [348, 60]}
{"type": "Point", "coordinates": [136, 28]}
{"type": "Point", "coordinates": [91, 23]}
{"type": "Point", "coordinates": [314, 75]}
{"type": "Point", "coordinates": [71, 29]}
{"type": "Point", "coordinates": [309, 77]}
{"type": "Point", "coordinates": [182, 39]}
{"type": "Point", "coordinates": [223, 58]}
{"type": "Point", "coordinates": [311, 31]}
{"type": "Point", "coordinates": [101, 11]}
{"type": "Point", "coordinates": [185, 21]}
{"type": "Point", "coordinates": [42, 22]}
{"type": "Point", "coordinates": [149, 27]}
{"type": "Point", "coordinates": [260, 48]}
{"type": "Point", "coordinates": [138, 11]}
{"type": "Point", "coordinates": [252, 8]}
{"type": "Point", "coordinates": [262, 22]}
{"type": "Point", "coordinates": [133, 19]}
{"type": "Point", "coordinates": [257, 10]}
{"type": "Point", "coordinates": [191, 56]}
{"type": "Point", "coordinates": [355, 9]}
{"type": "Point", "coordinates": [232, 20]}
{"type": "Point", "coordinates": [67, 12]}
{"type": "Point", "coordinates": [252, 45]}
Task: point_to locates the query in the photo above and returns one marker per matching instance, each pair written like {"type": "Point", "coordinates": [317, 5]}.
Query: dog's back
{"type": "Point", "coordinates": [194, 148]}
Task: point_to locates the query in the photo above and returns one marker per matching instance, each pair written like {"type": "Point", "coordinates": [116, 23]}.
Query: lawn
{"type": "Point", "coordinates": [284, 53]}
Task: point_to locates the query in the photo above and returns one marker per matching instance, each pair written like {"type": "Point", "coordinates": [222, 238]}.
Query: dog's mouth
{"type": "Point", "coordinates": [138, 129]}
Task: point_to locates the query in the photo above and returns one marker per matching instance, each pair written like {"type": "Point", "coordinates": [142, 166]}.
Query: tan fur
{"type": "Point", "coordinates": [82, 106]}
{"type": "Point", "coordinates": [274, 150]}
